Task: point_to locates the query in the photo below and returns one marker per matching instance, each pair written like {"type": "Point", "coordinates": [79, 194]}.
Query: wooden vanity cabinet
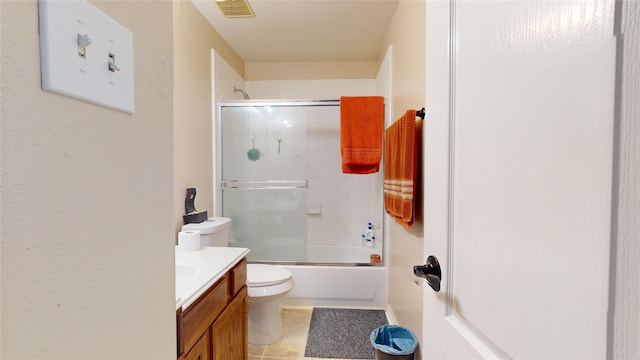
{"type": "Point", "coordinates": [214, 327]}
{"type": "Point", "coordinates": [227, 331]}
{"type": "Point", "coordinates": [199, 351]}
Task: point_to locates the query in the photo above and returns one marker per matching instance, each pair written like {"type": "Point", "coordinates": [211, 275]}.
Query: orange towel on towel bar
{"type": "Point", "coordinates": [361, 127]}
{"type": "Point", "coordinates": [400, 169]}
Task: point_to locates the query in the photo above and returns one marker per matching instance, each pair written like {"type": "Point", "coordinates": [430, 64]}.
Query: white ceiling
{"type": "Point", "coordinates": [305, 30]}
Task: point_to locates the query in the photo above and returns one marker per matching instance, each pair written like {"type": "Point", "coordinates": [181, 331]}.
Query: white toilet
{"type": "Point", "coordinates": [265, 284]}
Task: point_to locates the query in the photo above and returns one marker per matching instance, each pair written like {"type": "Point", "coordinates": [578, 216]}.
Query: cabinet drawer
{"type": "Point", "coordinates": [197, 317]}
{"type": "Point", "coordinates": [238, 277]}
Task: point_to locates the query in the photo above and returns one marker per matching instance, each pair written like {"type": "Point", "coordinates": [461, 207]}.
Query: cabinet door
{"type": "Point", "coordinates": [200, 351]}
{"type": "Point", "coordinates": [230, 337]}
{"type": "Point", "coordinates": [199, 316]}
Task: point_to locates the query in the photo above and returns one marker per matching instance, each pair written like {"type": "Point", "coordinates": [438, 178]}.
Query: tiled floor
{"type": "Point", "coordinates": [295, 327]}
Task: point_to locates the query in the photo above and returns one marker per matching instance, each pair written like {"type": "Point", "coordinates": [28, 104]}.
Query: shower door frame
{"type": "Point", "coordinates": [217, 168]}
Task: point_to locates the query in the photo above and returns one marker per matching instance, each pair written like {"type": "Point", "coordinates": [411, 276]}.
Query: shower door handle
{"type": "Point", "coordinates": [265, 184]}
{"type": "Point", "coordinates": [430, 271]}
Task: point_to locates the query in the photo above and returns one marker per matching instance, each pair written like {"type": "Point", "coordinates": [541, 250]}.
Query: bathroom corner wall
{"type": "Point", "coordinates": [406, 36]}
{"type": "Point", "coordinates": [86, 202]}
{"type": "Point", "coordinates": [383, 88]}
{"type": "Point", "coordinates": [225, 78]}
{"type": "Point", "coordinates": [194, 38]}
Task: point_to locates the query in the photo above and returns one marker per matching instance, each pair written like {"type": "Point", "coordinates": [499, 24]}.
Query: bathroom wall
{"type": "Point", "coordinates": [383, 88]}
{"type": "Point", "coordinates": [225, 78]}
{"type": "Point", "coordinates": [406, 37]}
{"type": "Point", "coordinates": [309, 88]}
{"type": "Point", "coordinates": [311, 70]}
{"type": "Point", "coordinates": [87, 207]}
{"type": "Point", "coordinates": [194, 38]}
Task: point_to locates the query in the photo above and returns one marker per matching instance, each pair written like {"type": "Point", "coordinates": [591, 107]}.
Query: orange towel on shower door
{"type": "Point", "coordinates": [361, 130]}
{"type": "Point", "coordinates": [400, 169]}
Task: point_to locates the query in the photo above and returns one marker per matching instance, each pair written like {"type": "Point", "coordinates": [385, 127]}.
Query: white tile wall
{"type": "Point", "coordinates": [347, 201]}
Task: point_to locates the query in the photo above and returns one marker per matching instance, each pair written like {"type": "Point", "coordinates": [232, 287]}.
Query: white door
{"type": "Point", "coordinates": [518, 159]}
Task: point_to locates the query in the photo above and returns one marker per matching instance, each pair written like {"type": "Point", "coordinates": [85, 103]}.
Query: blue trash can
{"type": "Point", "coordinates": [393, 342]}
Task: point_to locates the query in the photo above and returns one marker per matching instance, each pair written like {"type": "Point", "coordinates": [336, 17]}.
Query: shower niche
{"type": "Point", "coordinates": [279, 179]}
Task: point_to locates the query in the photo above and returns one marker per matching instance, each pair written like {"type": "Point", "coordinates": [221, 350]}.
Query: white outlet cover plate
{"type": "Point", "coordinates": [89, 79]}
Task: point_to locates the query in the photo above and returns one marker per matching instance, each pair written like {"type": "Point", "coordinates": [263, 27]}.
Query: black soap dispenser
{"type": "Point", "coordinates": [191, 215]}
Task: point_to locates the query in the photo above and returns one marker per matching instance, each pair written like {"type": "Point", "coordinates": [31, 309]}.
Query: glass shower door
{"type": "Point", "coordinates": [264, 180]}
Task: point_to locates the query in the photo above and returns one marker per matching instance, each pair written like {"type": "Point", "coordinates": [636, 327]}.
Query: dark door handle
{"type": "Point", "coordinates": [430, 271]}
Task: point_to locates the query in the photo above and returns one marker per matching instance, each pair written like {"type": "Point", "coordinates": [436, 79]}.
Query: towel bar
{"type": "Point", "coordinates": [420, 113]}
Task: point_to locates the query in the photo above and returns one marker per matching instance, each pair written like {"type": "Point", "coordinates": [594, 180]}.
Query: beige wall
{"type": "Point", "coordinates": [87, 206]}
{"type": "Point", "coordinates": [311, 70]}
{"type": "Point", "coordinates": [193, 40]}
{"type": "Point", "coordinates": [406, 36]}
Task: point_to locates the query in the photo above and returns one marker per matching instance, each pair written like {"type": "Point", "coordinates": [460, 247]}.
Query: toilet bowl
{"type": "Point", "coordinates": [266, 284]}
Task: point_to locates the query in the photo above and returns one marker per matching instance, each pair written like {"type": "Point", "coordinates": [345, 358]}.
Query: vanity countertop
{"type": "Point", "coordinates": [197, 270]}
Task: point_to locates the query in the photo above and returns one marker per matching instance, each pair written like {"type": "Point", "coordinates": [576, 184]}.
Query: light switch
{"type": "Point", "coordinates": [86, 54]}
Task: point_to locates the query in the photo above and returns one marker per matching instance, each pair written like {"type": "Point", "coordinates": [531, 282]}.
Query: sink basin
{"type": "Point", "coordinates": [196, 271]}
{"type": "Point", "coordinates": [184, 274]}
{"type": "Point", "coordinates": [187, 272]}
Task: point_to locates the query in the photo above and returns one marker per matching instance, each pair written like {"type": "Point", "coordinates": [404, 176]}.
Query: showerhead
{"type": "Point", "coordinates": [244, 94]}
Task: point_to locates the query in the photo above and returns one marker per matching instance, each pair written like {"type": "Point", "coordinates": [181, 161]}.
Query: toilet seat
{"type": "Point", "coordinates": [266, 275]}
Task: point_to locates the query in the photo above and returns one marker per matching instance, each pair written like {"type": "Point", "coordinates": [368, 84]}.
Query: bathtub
{"type": "Point", "coordinates": [331, 284]}
{"type": "Point", "coordinates": [340, 254]}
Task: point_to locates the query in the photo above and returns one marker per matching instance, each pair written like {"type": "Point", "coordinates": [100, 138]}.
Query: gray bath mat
{"type": "Point", "coordinates": [343, 333]}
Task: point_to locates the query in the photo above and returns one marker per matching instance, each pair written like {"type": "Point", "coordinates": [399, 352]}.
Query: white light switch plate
{"type": "Point", "coordinates": [71, 67]}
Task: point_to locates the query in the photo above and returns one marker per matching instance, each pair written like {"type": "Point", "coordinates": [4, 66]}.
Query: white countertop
{"type": "Point", "coordinates": [197, 270]}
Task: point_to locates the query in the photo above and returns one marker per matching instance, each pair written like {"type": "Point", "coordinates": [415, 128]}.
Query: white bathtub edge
{"type": "Point", "coordinates": [338, 286]}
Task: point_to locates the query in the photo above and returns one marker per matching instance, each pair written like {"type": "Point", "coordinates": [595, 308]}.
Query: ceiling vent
{"type": "Point", "coordinates": [235, 8]}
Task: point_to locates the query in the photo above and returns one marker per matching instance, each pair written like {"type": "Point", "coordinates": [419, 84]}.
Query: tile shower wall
{"type": "Point", "coordinates": [339, 205]}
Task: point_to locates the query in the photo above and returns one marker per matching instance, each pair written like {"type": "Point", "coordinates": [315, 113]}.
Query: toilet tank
{"type": "Point", "coordinates": [213, 232]}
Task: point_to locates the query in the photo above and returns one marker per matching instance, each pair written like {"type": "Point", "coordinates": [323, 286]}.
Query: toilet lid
{"type": "Point", "coordinates": [266, 275]}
